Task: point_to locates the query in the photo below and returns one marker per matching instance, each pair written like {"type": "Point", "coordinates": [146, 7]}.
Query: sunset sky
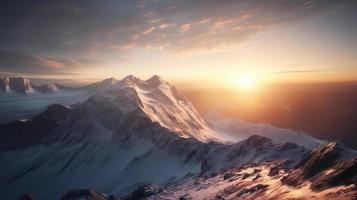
{"type": "Point", "coordinates": [182, 40]}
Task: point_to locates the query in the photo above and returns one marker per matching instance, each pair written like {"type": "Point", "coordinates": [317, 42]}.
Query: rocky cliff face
{"type": "Point", "coordinates": [22, 85]}
{"type": "Point", "coordinates": [330, 165]}
{"type": "Point", "coordinates": [18, 84]}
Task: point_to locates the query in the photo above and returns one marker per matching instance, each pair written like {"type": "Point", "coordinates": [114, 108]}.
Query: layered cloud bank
{"type": "Point", "coordinates": [65, 37]}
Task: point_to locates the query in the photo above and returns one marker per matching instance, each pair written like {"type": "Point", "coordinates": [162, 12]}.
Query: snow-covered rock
{"type": "Point", "coordinates": [16, 84]}
{"type": "Point", "coordinates": [163, 104]}
{"type": "Point", "coordinates": [251, 182]}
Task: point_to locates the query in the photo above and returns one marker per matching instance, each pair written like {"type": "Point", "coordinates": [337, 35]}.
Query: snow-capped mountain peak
{"type": "Point", "coordinates": [165, 105]}
{"type": "Point", "coordinates": [162, 103]}
{"type": "Point", "coordinates": [155, 80]}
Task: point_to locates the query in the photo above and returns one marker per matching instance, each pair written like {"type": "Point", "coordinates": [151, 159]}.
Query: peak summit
{"type": "Point", "coordinates": [131, 80]}
{"type": "Point", "coordinates": [110, 80]}
{"type": "Point", "coordinates": [155, 80]}
{"type": "Point", "coordinates": [163, 104]}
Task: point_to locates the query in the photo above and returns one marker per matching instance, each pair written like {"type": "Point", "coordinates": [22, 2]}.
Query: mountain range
{"type": "Point", "coordinates": [25, 86]}
{"type": "Point", "coordinates": [137, 139]}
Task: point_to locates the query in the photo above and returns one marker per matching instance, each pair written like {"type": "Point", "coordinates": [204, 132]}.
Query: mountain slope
{"type": "Point", "coordinates": [165, 105]}
{"type": "Point", "coordinates": [328, 172]}
{"type": "Point", "coordinates": [240, 129]}
{"type": "Point", "coordinates": [25, 133]}
{"type": "Point", "coordinates": [99, 145]}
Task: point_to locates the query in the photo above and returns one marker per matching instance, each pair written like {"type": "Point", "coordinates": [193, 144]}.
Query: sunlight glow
{"type": "Point", "coordinates": [246, 82]}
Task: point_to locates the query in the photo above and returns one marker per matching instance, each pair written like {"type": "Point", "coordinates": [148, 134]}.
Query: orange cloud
{"type": "Point", "coordinates": [188, 26]}
{"type": "Point", "coordinates": [148, 31]}
{"type": "Point", "coordinates": [51, 63]}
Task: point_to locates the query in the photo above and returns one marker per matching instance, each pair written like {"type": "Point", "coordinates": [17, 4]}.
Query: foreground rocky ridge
{"type": "Point", "coordinates": [265, 180]}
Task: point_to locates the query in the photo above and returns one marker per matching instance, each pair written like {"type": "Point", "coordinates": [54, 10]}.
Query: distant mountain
{"type": "Point", "coordinates": [51, 87]}
{"type": "Point", "coordinates": [25, 86]}
{"type": "Point", "coordinates": [241, 129]}
{"type": "Point", "coordinates": [16, 84]}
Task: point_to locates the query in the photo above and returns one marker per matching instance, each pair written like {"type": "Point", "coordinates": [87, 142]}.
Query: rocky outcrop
{"type": "Point", "coordinates": [328, 166]}
{"type": "Point", "coordinates": [257, 141]}
{"type": "Point", "coordinates": [16, 84]}
{"type": "Point", "coordinates": [343, 173]}
{"type": "Point", "coordinates": [143, 192]}
{"type": "Point", "coordinates": [274, 171]}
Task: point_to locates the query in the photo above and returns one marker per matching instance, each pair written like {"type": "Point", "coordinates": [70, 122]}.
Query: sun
{"type": "Point", "coordinates": [246, 82]}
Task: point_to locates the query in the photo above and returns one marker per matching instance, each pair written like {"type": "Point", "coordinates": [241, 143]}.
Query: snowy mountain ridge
{"type": "Point", "coordinates": [163, 104]}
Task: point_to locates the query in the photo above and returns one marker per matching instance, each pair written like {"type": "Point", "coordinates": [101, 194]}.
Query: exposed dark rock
{"type": "Point", "coordinates": [229, 191]}
{"type": "Point", "coordinates": [228, 176]}
{"type": "Point", "coordinates": [257, 177]}
{"type": "Point", "coordinates": [344, 173]}
{"type": "Point", "coordinates": [256, 171]}
{"type": "Point", "coordinates": [17, 84]}
{"type": "Point", "coordinates": [27, 197]}
{"type": "Point", "coordinates": [257, 141]}
{"type": "Point", "coordinates": [274, 171]}
{"type": "Point", "coordinates": [320, 159]}
{"type": "Point", "coordinates": [218, 197]}
{"type": "Point", "coordinates": [256, 188]}
{"type": "Point", "coordinates": [288, 146]}
{"type": "Point", "coordinates": [185, 197]}
{"type": "Point", "coordinates": [246, 175]}
{"type": "Point", "coordinates": [317, 161]}
{"type": "Point", "coordinates": [145, 191]}
{"type": "Point", "coordinates": [84, 195]}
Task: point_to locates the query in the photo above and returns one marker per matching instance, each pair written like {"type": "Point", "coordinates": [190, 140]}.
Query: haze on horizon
{"type": "Point", "coordinates": [184, 40]}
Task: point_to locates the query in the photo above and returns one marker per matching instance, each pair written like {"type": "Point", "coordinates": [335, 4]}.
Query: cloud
{"type": "Point", "coordinates": [15, 62]}
{"type": "Point", "coordinates": [107, 29]}
{"type": "Point", "coordinates": [298, 71]}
